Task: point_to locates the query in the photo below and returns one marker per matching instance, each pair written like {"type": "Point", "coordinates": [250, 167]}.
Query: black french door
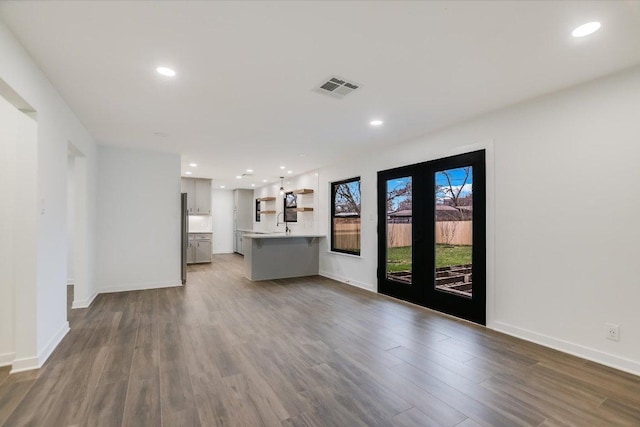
{"type": "Point", "coordinates": [432, 234]}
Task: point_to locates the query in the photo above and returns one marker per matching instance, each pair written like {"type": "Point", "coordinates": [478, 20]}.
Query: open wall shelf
{"type": "Point", "coordinates": [303, 191]}
{"type": "Point", "coordinates": [267, 212]}
{"type": "Point", "coordinates": [267, 199]}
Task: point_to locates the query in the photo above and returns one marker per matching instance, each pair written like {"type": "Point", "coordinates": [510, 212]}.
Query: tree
{"type": "Point", "coordinates": [347, 198]}
{"type": "Point", "coordinates": [451, 193]}
{"type": "Point", "coordinates": [448, 231]}
{"type": "Point", "coordinates": [400, 197]}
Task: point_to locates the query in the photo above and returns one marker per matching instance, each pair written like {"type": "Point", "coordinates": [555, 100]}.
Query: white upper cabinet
{"type": "Point", "coordinates": [203, 197]}
{"type": "Point", "coordinates": [198, 195]}
{"type": "Point", "coordinates": [243, 209]}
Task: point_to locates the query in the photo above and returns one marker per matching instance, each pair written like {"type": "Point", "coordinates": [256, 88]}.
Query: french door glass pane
{"type": "Point", "coordinates": [454, 231]}
{"type": "Point", "coordinates": [399, 230]}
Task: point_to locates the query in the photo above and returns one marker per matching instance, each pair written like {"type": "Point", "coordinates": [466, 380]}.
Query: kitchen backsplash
{"type": "Point", "coordinates": [200, 223]}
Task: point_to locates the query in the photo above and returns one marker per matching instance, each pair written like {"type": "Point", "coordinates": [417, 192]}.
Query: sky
{"type": "Point", "coordinates": [396, 184]}
{"type": "Point", "coordinates": [456, 175]}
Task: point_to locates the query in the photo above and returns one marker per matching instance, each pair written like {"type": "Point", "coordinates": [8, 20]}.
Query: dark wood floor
{"type": "Point", "coordinates": [300, 352]}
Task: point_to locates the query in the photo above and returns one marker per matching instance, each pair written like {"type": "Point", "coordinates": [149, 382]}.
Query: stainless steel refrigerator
{"type": "Point", "coordinates": [184, 237]}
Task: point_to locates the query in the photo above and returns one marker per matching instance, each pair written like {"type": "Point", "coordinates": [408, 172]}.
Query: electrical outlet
{"type": "Point", "coordinates": [612, 331]}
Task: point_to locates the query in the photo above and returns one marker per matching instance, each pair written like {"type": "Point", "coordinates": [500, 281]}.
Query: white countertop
{"type": "Point", "coordinates": [200, 232]}
{"type": "Point", "coordinates": [281, 235]}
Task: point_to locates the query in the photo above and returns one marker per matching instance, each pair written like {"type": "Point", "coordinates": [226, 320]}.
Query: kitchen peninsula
{"type": "Point", "coordinates": [280, 255]}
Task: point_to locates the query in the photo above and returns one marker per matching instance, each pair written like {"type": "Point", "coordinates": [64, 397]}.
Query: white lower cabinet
{"type": "Point", "coordinates": [203, 251]}
{"type": "Point", "coordinates": [191, 253]}
{"type": "Point", "coordinates": [199, 248]}
{"type": "Point", "coordinates": [238, 242]}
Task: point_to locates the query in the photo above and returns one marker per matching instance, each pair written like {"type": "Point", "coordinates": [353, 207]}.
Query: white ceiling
{"type": "Point", "coordinates": [243, 97]}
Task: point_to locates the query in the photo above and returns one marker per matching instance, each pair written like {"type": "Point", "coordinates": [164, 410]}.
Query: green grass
{"type": "Point", "coordinates": [399, 259]}
{"type": "Point", "coordinates": [452, 255]}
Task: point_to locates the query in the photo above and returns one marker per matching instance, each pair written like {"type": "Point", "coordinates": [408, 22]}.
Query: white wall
{"type": "Point", "coordinates": [71, 216]}
{"type": "Point", "coordinates": [199, 223]}
{"type": "Point", "coordinates": [562, 208]}
{"type": "Point", "coordinates": [12, 122]}
{"type": "Point", "coordinates": [307, 221]}
{"type": "Point", "coordinates": [222, 219]}
{"type": "Point", "coordinates": [138, 240]}
{"type": "Point", "coordinates": [57, 124]}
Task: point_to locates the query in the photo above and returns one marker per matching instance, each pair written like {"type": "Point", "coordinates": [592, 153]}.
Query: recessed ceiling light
{"type": "Point", "coordinates": [250, 170]}
{"type": "Point", "coordinates": [289, 172]}
{"type": "Point", "coordinates": [264, 180]}
{"type": "Point", "coordinates": [222, 186]}
{"type": "Point", "coordinates": [165, 71]}
{"type": "Point", "coordinates": [253, 185]}
{"type": "Point", "coordinates": [238, 176]}
{"type": "Point", "coordinates": [586, 29]}
{"type": "Point", "coordinates": [187, 173]}
{"type": "Point", "coordinates": [375, 122]}
{"type": "Point", "coordinates": [281, 167]}
{"type": "Point", "coordinates": [193, 165]}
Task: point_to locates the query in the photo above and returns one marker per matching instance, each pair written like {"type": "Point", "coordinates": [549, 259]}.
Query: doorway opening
{"type": "Point", "coordinates": [77, 274]}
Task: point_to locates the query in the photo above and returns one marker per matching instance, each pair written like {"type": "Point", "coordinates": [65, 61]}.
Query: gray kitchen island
{"type": "Point", "coordinates": [280, 255]}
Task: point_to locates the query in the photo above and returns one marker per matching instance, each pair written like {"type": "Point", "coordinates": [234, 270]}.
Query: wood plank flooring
{"type": "Point", "coordinates": [224, 351]}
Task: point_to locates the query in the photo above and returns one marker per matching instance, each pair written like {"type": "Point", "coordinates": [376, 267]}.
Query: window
{"type": "Point", "coordinates": [290, 207]}
{"type": "Point", "coordinates": [257, 210]}
{"type": "Point", "coordinates": [345, 216]}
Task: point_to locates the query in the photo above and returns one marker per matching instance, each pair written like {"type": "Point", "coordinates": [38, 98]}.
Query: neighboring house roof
{"type": "Point", "coordinates": [443, 213]}
{"type": "Point", "coordinates": [403, 213]}
{"type": "Point", "coordinates": [347, 214]}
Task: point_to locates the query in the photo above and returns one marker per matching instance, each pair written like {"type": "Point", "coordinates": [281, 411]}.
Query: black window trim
{"type": "Point", "coordinates": [286, 209]}
{"type": "Point", "coordinates": [334, 184]}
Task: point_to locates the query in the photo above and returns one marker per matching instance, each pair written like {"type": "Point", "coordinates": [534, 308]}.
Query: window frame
{"type": "Point", "coordinates": [334, 185]}
{"type": "Point", "coordinates": [290, 211]}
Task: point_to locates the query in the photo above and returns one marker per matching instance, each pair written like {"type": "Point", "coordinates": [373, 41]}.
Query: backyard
{"type": "Point", "coordinates": [399, 259]}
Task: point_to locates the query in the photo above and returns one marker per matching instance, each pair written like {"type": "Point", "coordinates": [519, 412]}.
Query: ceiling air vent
{"type": "Point", "coordinates": [336, 87]}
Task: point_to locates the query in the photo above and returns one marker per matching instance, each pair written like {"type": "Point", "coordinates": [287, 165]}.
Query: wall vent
{"type": "Point", "coordinates": [336, 87]}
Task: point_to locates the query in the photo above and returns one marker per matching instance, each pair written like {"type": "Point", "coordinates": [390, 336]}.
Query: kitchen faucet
{"type": "Point", "coordinates": [286, 225]}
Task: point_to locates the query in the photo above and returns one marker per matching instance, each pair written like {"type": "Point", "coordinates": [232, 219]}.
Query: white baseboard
{"type": "Point", "coordinates": [222, 252]}
{"type": "Point", "coordinates": [6, 359]}
{"type": "Point", "coordinates": [617, 362]}
{"type": "Point", "coordinates": [361, 285]}
{"type": "Point", "coordinates": [53, 343]}
{"type": "Point", "coordinates": [84, 303]}
{"type": "Point", "coordinates": [29, 363]}
{"type": "Point", "coordinates": [24, 364]}
{"type": "Point", "coordinates": [140, 286]}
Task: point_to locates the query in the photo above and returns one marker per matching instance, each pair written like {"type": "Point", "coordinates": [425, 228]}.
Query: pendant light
{"type": "Point", "coordinates": [281, 186]}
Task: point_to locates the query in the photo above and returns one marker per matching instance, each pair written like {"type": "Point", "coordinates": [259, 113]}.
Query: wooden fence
{"type": "Point", "coordinates": [447, 232]}
{"type": "Point", "coordinates": [454, 232]}
{"type": "Point", "coordinates": [347, 235]}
